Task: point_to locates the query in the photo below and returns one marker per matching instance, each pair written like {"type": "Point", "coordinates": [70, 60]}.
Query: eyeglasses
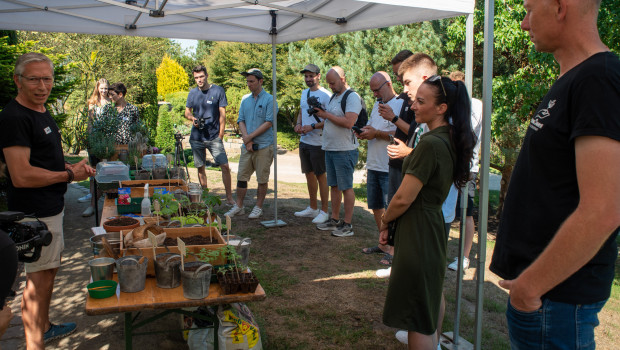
{"type": "Point", "coordinates": [438, 77]}
{"type": "Point", "coordinates": [34, 81]}
{"type": "Point", "coordinates": [379, 88]}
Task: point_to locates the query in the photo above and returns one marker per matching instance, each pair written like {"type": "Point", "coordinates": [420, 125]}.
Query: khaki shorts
{"type": "Point", "coordinates": [257, 161]}
{"type": "Point", "coordinates": [50, 255]}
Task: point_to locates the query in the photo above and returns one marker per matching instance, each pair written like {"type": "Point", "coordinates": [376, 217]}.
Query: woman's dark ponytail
{"type": "Point", "coordinates": [463, 137]}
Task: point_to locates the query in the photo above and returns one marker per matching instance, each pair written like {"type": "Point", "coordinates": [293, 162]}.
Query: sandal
{"type": "Point", "coordinates": [372, 250]}
{"type": "Point", "coordinates": [386, 260]}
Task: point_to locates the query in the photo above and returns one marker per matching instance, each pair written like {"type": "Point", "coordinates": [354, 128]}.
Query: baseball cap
{"type": "Point", "coordinates": [311, 68]}
{"type": "Point", "coordinates": [255, 72]}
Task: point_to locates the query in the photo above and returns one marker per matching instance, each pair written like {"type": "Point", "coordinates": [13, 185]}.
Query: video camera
{"type": "Point", "coordinates": [313, 102]}
{"type": "Point", "coordinates": [29, 237]}
{"type": "Point", "coordinates": [178, 136]}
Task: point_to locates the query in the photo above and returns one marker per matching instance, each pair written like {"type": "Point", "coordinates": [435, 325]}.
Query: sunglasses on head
{"type": "Point", "coordinates": [438, 77]}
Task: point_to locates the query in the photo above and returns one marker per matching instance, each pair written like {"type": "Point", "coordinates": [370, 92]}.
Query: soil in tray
{"type": "Point", "coordinates": [121, 221]}
{"type": "Point", "coordinates": [191, 240]}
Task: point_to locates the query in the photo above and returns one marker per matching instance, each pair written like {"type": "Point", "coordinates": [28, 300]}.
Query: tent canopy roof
{"type": "Point", "coordinates": [222, 20]}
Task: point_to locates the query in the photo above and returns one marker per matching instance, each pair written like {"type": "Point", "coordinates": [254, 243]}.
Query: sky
{"type": "Point", "coordinates": [187, 43]}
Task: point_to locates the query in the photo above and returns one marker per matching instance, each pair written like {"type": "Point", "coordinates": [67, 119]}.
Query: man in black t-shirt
{"type": "Point", "coordinates": [206, 108]}
{"type": "Point", "coordinates": [38, 177]}
{"type": "Point", "coordinates": [556, 244]}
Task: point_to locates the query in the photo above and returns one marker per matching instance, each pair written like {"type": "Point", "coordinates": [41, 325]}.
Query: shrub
{"type": "Point", "coordinates": [171, 77]}
{"type": "Point", "coordinates": [165, 131]}
{"type": "Point", "coordinates": [288, 140]}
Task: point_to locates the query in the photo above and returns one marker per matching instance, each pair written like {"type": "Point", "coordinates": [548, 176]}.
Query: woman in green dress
{"type": "Point", "coordinates": [441, 158]}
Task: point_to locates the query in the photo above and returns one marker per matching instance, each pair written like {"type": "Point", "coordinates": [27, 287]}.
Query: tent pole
{"type": "Point", "coordinates": [469, 68]}
{"type": "Point", "coordinates": [274, 32]}
{"type": "Point", "coordinates": [487, 94]}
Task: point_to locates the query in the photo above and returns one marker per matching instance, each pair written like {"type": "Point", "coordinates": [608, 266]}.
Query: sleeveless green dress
{"type": "Point", "coordinates": [419, 264]}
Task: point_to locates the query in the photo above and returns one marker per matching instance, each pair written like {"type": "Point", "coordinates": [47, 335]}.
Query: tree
{"type": "Point", "coordinates": [171, 77]}
{"type": "Point", "coordinates": [165, 131]}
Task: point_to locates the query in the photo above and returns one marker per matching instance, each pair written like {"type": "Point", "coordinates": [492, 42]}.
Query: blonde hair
{"type": "Point", "coordinates": [95, 98]}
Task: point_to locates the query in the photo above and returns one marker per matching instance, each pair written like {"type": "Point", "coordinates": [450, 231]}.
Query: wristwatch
{"type": "Point", "coordinates": [313, 126]}
{"type": "Point", "coordinates": [395, 119]}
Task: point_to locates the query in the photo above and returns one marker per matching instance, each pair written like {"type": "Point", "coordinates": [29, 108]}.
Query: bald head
{"type": "Point", "coordinates": [336, 80]}
{"type": "Point", "coordinates": [381, 86]}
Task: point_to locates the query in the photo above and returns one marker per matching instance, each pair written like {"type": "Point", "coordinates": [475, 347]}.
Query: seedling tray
{"type": "Point", "coordinates": [134, 208]}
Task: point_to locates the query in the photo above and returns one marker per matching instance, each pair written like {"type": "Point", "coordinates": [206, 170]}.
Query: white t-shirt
{"type": "Point", "coordinates": [313, 137]}
{"type": "Point", "coordinates": [336, 138]}
{"type": "Point", "coordinates": [476, 126]}
{"type": "Point", "coordinates": [377, 158]}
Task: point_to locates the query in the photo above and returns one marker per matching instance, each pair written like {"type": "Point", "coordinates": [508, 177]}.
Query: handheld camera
{"type": "Point", "coordinates": [29, 237]}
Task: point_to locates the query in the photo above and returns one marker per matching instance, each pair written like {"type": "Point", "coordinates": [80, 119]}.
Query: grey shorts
{"type": "Point", "coordinates": [312, 159]}
{"type": "Point", "coordinates": [215, 146]}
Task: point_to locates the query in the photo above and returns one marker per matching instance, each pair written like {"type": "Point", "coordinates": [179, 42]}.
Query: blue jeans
{"type": "Point", "coordinates": [340, 166]}
{"type": "Point", "coordinates": [554, 326]}
{"type": "Point", "coordinates": [215, 146]}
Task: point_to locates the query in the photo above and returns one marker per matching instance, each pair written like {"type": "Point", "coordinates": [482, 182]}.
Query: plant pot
{"type": "Point", "coordinates": [113, 238]}
{"type": "Point", "coordinates": [196, 279]}
{"type": "Point", "coordinates": [131, 274]}
{"type": "Point", "coordinates": [159, 173]}
{"type": "Point", "coordinates": [232, 282]}
{"type": "Point", "coordinates": [120, 223]}
{"type": "Point", "coordinates": [142, 175]}
{"type": "Point", "coordinates": [168, 270]}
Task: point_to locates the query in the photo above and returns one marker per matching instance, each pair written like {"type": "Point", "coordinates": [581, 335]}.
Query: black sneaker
{"type": "Point", "coordinates": [329, 225]}
{"type": "Point", "coordinates": [343, 230]}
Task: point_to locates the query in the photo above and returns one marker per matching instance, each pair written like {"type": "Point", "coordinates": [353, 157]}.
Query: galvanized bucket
{"type": "Point", "coordinates": [131, 274]}
{"type": "Point", "coordinates": [196, 283]}
{"type": "Point", "coordinates": [168, 270]}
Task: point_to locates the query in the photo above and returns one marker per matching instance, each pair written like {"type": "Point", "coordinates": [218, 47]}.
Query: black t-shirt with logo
{"type": "Point", "coordinates": [543, 189]}
{"type": "Point", "coordinates": [21, 126]}
{"type": "Point", "coordinates": [406, 114]}
{"type": "Point", "coordinates": [206, 104]}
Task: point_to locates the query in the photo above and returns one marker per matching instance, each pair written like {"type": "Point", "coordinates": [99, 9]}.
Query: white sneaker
{"type": "Point", "coordinates": [320, 218]}
{"type": "Point", "coordinates": [402, 336]}
{"type": "Point", "coordinates": [256, 213]}
{"type": "Point", "coordinates": [384, 273]}
{"type": "Point", "coordinates": [88, 212]}
{"type": "Point", "coordinates": [85, 199]}
{"type": "Point", "coordinates": [307, 213]}
{"type": "Point", "coordinates": [454, 265]}
{"type": "Point", "coordinates": [235, 210]}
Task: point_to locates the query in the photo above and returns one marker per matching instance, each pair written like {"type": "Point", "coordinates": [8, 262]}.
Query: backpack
{"type": "Point", "coordinates": [362, 117]}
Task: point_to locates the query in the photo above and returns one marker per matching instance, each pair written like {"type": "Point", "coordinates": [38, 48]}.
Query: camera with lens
{"type": "Point", "coordinates": [200, 123]}
{"type": "Point", "coordinates": [29, 237]}
{"type": "Point", "coordinates": [313, 102]}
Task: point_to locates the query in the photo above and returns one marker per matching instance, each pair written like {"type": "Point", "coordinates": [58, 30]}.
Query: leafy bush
{"type": "Point", "coordinates": [234, 96]}
{"type": "Point", "coordinates": [178, 101]}
{"type": "Point", "coordinates": [102, 139]}
{"type": "Point", "coordinates": [171, 77]}
{"type": "Point", "coordinates": [288, 140]}
{"type": "Point", "coordinates": [165, 131]}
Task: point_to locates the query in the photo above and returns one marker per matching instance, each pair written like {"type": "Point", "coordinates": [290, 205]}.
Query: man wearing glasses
{"type": "Point", "coordinates": [38, 174]}
{"type": "Point", "coordinates": [379, 132]}
{"type": "Point", "coordinates": [556, 244]}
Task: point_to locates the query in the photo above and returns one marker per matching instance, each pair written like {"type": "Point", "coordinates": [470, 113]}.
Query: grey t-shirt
{"type": "Point", "coordinates": [336, 138]}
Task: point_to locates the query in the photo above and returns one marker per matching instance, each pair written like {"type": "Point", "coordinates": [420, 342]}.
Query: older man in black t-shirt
{"type": "Point", "coordinates": [556, 244]}
{"type": "Point", "coordinates": [38, 177]}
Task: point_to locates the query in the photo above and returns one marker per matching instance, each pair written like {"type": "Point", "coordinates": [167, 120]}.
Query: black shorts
{"type": "Point", "coordinates": [312, 159]}
{"type": "Point", "coordinates": [471, 193]}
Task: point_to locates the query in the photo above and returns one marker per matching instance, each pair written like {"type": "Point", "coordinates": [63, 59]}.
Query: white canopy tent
{"type": "Point", "coordinates": [264, 22]}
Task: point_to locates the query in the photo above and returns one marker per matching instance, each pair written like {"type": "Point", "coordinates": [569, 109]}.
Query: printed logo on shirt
{"type": "Point", "coordinates": [209, 102]}
{"type": "Point", "coordinates": [48, 130]}
{"type": "Point", "coordinates": [537, 121]}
